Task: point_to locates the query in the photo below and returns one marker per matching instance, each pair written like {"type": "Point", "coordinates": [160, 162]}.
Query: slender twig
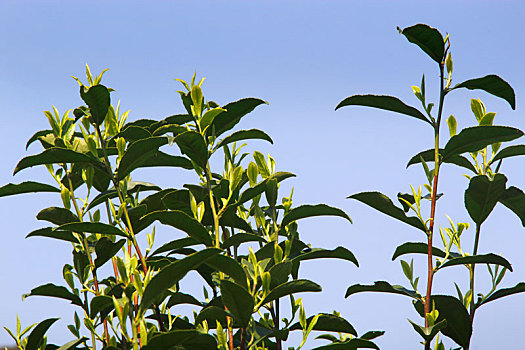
{"type": "Point", "coordinates": [472, 266]}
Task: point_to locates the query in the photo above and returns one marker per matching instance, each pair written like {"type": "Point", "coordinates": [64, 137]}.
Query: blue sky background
{"type": "Point", "coordinates": [303, 57]}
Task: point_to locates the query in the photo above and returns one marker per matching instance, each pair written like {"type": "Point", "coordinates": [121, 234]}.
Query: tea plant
{"type": "Point", "coordinates": [238, 232]}
{"type": "Point", "coordinates": [477, 149]}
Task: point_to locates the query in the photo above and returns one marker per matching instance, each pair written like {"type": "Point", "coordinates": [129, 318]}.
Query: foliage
{"type": "Point", "coordinates": [478, 149]}
{"type": "Point", "coordinates": [235, 230]}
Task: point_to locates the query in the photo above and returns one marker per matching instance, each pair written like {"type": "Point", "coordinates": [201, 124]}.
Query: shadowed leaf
{"type": "Point", "coordinates": [138, 153]}
{"type": "Point", "coordinates": [26, 187]}
{"type": "Point", "coordinates": [428, 39]}
{"type": "Point", "coordinates": [234, 112]}
{"type": "Point", "coordinates": [295, 286]}
{"type": "Point", "coordinates": [238, 301]}
{"type": "Point", "coordinates": [192, 144]}
{"type": "Point", "coordinates": [492, 84]}
{"type": "Point", "coordinates": [482, 195]}
{"type": "Point", "coordinates": [34, 340]}
{"type": "Point", "coordinates": [244, 135]}
{"type": "Point", "coordinates": [478, 259]}
{"type": "Point", "coordinates": [51, 290]}
{"type": "Point", "coordinates": [319, 253]}
{"type": "Point", "coordinates": [388, 103]}
{"type": "Point", "coordinates": [56, 155]}
{"type": "Point", "coordinates": [511, 151]}
{"type": "Point", "coordinates": [328, 323]}
{"type": "Point", "coordinates": [92, 227]}
{"type": "Point", "coordinates": [518, 288]}
{"type": "Point", "coordinates": [306, 211]}
{"type": "Point", "coordinates": [381, 286]}
{"type": "Point", "coordinates": [514, 199]}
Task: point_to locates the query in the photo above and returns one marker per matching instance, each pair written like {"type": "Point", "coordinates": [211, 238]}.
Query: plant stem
{"type": "Point", "coordinates": [434, 198]}
{"type": "Point", "coordinates": [472, 266]}
{"type": "Point", "coordinates": [276, 232]}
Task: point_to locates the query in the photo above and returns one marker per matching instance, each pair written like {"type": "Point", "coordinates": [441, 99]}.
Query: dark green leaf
{"type": "Point", "coordinates": [51, 232]}
{"type": "Point", "coordinates": [238, 301]}
{"type": "Point", "coordinates": [295, 286]}
{"type": "Point", "coordinates": [459, 326]}
{"type": "Point", "coordinates": [518, 288]}
{"type": "Point", "coordinates": [106, 249]}
{"type": "Point", "coordinates": [230, 267]}
{"type": "Point", "coordinates": [428, 156]}
{"type": "Point", "coordinates": [234, 112]}
{"type": "Point", "coordinates": [133, 133]}
{"type": "Point", "coordinates": [133, 187]}
{"type": "Point", "coordinates": [182, 298]}
{"type": "Point", "coordinates": [72, 344]}
{"type": "Point", "coordinates": [352, 344]}
{"type": "Point", "coordinates": [383, 204]}
{"type": "Point", "coordinates": [419, 248]}
{"type": "Point", "coordinates": [388, 103]}
{"type": "Point", "coordinates": [192, 144]}
{"type": "Point", "coordinates": [34, 340]}
{"type": "Point", "coordinates": [186, 339]}
{"type": "Point", "coordinates": [176, 244]}
{"type": "Point", "coordinates": [478, 259]}
{"type": "Point", "coordinates": [56, 155]}
{"type": "Point", "coordinates": [92, 227]}
{"type": "Point", "coordinates": [482, 195]}
{"type": "Point", "coordinates": [101, 303]}
{"type": "Point", "coordinates": [492, 84]}
{"type": "Point", "coordinates": [510, 151]}
{"type": "Point", "coordinates": [237, 239]}
{"type": "Point", "coordinates": [381, 286]}
{"type": "Point", "coordinates": [159, 159]}
{"type": "Point", "coordinates": [26, 187]}
{"type": "Point", "coordinates": [329, 323]}
{"type": "Point", "coordinates": [183, 222]}
{"type": "Point", "coordinates": [372, 335]}
{"type": "Point", "coordinates": [57, 215]}
{"type": "Point", "coordinates": [319, 253]}
{"type": "Point", "coordinates": [428, 333]}
{"type": "Point", "coordinates": [138, 153]}
{"type": "Point", "coordinates": [477, 137]}
{"type": "Point", "coordinates": [261, 186]}
{"type": "Point", "coordinates": [514, 199]}
{"type": "Point", "coordinates": [305, 211]}
{"type": "Point", "coordinates": [428, 39]}
{"type": "Point", "coordinates": [51, 290]}
{"type": "Point", "coordinates": [171, 274]}
{"type": "Point", "coordinates": [212, 314]}
{"type": "Point", "coordinates": [98, 100]}
{"type": "Point", "coordinates": [279, 273]}
{"type": "Point", "coordinates": [244, 135]}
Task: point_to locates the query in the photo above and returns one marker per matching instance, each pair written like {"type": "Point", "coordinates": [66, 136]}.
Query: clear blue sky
{"type": "Point", "coordinates": [303, 57]}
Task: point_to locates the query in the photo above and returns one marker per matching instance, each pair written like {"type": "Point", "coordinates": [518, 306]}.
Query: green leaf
{"type": "Point", "coordinates": [51, 232]}
{"type": "Point", "coordinates": [171, 274]}
{"type": "Point", "coordinates": [51, 290]}
{"type": "Point", "coordinates": [176, 244]}
{"type": "Point", "coordinates": [37, 334]}
{"type": "Point", "coordinates": [428, 156]}
{"type": "Point", "coordinates": [183, 222]}
{"type": "Point", "coordinates": [234, 112]}
{"type": "Point", "coordinates": [160, 158]}
{"type": "Point", "coordinates": [329, 323]}
{"type": "Point", "coordinates": [72, 344]}
{"type": "Point", "coordinates": [261, 186]}
{"type": "Point", "coordinates": [352, 344]}
{"type": "Point", "coordinates": [419, 248]}
{"type": "Point", "coordinates": [98, 100]}
{"type": "Point", "coordinates": [182, 298]}
{"type": "Point", "coordinates": [57, 215]}
{"type": "Point", "coordinates": [372, 335]}
{"type": "Point", "coordinates": [237, 239]}
{"type": "Point", "coordinates": [295, 286]}
{"type": "Point", "coordinates": [133, 133]}
{"type": "Point", "coordinates": [133, 187]}
{"type": "Point", "coordinates": [193, 145]}
{"type": "Point", "coordinates": [306, 211]}
{"type": "Point", "coordinates": [477, 137]}
{"type": "Point", "coordinates": [428, 333]}
{"type": "Point", "coordinates": [230, 267]}
{"type": "Point", "coordinates": [137, 153]}
{"type": "Point", "coordinates": [383, 204]}
{"type": "Point", "coordinates": [244, 135]}
{"type": "Point", "coordinates": [319, 253]}
{"type": "Point", "coordinates": [478, 259]}
{"type": "Point", "coordinates": [238, 301]}
{"type": "Point", "coordinates": [482, 195]}
{"type": "Point", "coordinates": [212, 315]}
{"type": "Point", "coordinates": [492, 84]}
{"type": "Point", "coordinates": [510, 151]}
{"type": "Point", "coordinates": [106, 249]}
{"type": "Point", "coordinates": [187, 339]}
{"type": "Point", "coordinates": [459, 326]}
{"type": "Point", "coordinates": [383, 287]}
{"type": "Point", "coordinates": [56, 155]}
{"type": "Point", "coordinates": [102, 304]}
{"type": "Point", "coordinates": [514, 199]}
{"type": "Point", "coordinates": [26, 187]}
{"type": "Point", "coordinates": [388, 103]}
{"type": "Point", "coordinates": [518, 288]}
{"type": "Point", "coordinates": [428, 39]}
{"type": "Point", "coordinates": [92, 227]}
